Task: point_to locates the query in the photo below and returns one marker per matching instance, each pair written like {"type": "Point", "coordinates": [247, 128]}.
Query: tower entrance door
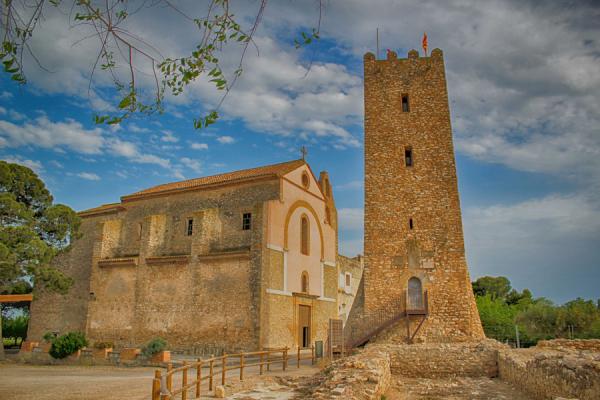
{"type": "Point", "coordinates": [304, 326]}
{"type": "Point", "coordinates": [415, 294]}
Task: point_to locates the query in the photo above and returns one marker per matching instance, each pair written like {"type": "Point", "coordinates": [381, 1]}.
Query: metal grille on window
{"type": "Point", "coordinates": [247, 221]}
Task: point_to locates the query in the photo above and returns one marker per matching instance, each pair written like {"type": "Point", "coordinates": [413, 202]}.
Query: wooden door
{"type": "Point", "coordinates": [415, 294]}
{"type": "Point", "coordinates": [304, 328]}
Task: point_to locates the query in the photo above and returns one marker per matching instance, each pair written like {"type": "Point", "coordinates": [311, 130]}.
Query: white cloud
{"type": "Point", "coordinates": [169, 137]}
{"type": "Point", "coordinates": [72, 135]}
{"type": "Point", "coordinates": [34, 165]}
{"type": "Point", "coordinates": [192, 164]}
{"type": "Point", "coordinates": [352, 185]}
{"type": "Point", "coordinates": [56, 164]}
{"type": "Point", "coordinates": [199, 146]}
{"type": "Point", "coordinates": [133, 127]}
{"type": "Point", "coordinates": [88, 176]}
{"type": "Point", "coordinates": [47, 134]}
{"type": "Point", "coordinates": [351, 218]}
{"type": "Point", "coordinates": [225, 140]}
{"type": "Point", "coordinates": [5, 95]}
{"type": "Point", "coordinates": [3, 111]}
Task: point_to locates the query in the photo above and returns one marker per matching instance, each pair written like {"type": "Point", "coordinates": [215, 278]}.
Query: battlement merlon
{"type": "Point", "coordinates": [412, 55]}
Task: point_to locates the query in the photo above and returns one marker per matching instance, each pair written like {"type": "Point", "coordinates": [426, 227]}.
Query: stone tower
{"type": "Point", "coordinates": [413, 226]}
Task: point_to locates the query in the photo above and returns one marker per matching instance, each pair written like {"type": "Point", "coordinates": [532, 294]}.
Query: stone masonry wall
{"type": "Point", "coordinates": [549, 374]}
{"type": "Point", "coordinates": [202, 298]}
{"type": "Point", "coordinates": [431, 360]}
{"type": "Point", "coordinates": [432, 247]}
{"type": "Point", "coordinates": [575, 344]}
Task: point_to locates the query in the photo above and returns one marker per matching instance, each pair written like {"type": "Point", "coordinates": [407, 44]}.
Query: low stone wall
{"type": "Point", "coordinates": [576, 344]}
{"type": "Point", "coordinates": [365, 375]}
{"type": "Point", "coordinates": [430, 360]}
{"type": "Point", "coordinates": [548, 374]}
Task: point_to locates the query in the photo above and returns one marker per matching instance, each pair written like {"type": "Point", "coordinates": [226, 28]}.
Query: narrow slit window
{"type": "Point", "coordinates": [408, 157]}
{"type": "Point", "coordinates": [304, 282]}
{"type": "Point", "coordinates": [247, 221]}
{"type": "Point", "coordinates": [405, 105]}
{"type": "Point", "coordinates": [190, 227]}
{"type": "Point", "coordinates": [304, 235]}
{"type": "Point", "coordinates": [410, 223]}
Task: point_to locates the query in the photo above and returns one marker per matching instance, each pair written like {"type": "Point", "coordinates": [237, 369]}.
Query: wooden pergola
{"type": "Point", "coordinates": [16, 298]}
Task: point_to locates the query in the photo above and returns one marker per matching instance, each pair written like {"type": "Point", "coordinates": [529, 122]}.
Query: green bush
{"type": "Point", "coordinates": [154, 346]}
{"type": "Point", "coordinates": [48, 337]}
{"type": "Point", "coordinates": [67, 344]}
{"type": "Point", "coordinates": [15, 327]}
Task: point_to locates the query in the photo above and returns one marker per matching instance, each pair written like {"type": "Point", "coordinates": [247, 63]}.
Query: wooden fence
{"type": "Point", "coordinates": [162, 385]}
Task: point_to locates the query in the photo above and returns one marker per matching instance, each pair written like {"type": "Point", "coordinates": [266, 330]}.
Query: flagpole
{"type": "Point", "coordinates": [377, 57]}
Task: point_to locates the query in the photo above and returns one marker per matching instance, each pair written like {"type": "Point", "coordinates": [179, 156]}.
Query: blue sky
{"type": "Point", "coordinates": [524, 85]}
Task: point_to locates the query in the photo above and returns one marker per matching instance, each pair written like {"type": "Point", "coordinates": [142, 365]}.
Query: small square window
{"type": "Point", "coordinates": [405, 105]}
{"type": "Point", "coordinates": [246, 221]}
{"type": "Point", "coordinates": [347, 279]}
{"type": "Point", "coordinates": [190, 227]}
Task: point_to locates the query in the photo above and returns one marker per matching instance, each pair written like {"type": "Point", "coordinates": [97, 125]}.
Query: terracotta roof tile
{"type": "Point", "coordinates": [112, 207]}
{"type": "Point", "coordinates": [229, 177]}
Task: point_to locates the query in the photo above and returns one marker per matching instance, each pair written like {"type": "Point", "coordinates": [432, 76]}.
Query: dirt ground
{"type": "Point", "coordinates": [18, 382]}
{"type": "Point", "coordinates": [42, 382]}
{"type": "Point", "coordinates": [452, 389]}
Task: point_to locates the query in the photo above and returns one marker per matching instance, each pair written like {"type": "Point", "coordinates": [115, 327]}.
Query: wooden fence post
{"type": "Point", "coordinates": [184, 381]}
{"type": "Point", "coordinates": [224, 369]}
{"type": "Point", "coordinates": [261, 364]}
{"type": "Point", "coordinates": [169, 377]}
{"type": "Point", "coordinates": [210, 379]}
{"type": "Point", "coordinates": [156, 386]}
{"type": "Point", "coordinates": [198, 377]}
{"type": "Point", "coordinates": [285, 351]}
{"type": "Point", "coordinates": [241, 366]}
{"type": "Point", "coordinates": [268, 360]}
{"type": "Point", "coordinates": [298, 357]}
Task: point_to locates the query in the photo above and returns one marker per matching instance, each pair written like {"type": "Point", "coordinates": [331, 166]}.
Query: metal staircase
{"type": "Point", "coordinates": [374, 323]}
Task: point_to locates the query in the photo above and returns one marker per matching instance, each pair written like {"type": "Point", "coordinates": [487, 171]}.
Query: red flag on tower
{"type": "Point", "coordinates": [425, 43]}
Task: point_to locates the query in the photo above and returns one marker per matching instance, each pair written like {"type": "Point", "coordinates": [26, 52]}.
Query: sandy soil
{"type": "Point", "coordinates": [18, 381]}
{"type": "Point", "coordinates": [452, 389]}
{"type": "Point", "coordinates": [73, 382]}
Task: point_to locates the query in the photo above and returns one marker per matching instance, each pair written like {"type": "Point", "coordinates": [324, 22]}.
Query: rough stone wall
{"type": "Point", "coordinates": [426, 192]}
{"type": "Point", "coordinates": [575, 344]}
{"type": "Point", "coordinates": [365, 375]}
{"type": "Point", "coordinates": [432, 360]}
{"type": "Point", "coordinates": [53, 312]}
{"type": "Point", "coordinates": [199, 298]}
{"type": "Point", "coordinates": [549, 374]}
{"type": "Point", "coordinates": [346, 295]}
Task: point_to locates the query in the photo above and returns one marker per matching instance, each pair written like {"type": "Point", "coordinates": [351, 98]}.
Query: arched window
{"type": "Point", "coordinates": [415, 294]}
{"type": "Point", "coordinates": [304, 235]}
{"type": "Point", "coordinates": [304, 282]}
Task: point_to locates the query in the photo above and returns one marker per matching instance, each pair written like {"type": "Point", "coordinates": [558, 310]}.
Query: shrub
{"type": "Point", "coordinates": [103, 345]}
{"type": "Point", "coordinates": [67, 344]}
{"type": "Point", "coordinates": [48, 337]}
{"type": "Point", "coordinates": [15, 327]}
{"type": "Point", "coordinates": [154, 346]}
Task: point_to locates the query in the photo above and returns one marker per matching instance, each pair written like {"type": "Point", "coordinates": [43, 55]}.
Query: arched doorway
{"type": "Point", "coordinates": [415, 294]}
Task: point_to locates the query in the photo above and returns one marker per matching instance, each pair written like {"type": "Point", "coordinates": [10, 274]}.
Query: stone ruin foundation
{"type": "Point", "coordinates": [555, 369]}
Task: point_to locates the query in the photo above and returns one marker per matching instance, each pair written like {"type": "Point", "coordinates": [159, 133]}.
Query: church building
{"type": "Point", "coordinates": [236, 261]}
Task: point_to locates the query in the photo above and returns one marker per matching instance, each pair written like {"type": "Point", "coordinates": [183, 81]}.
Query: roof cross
{"type": "Point", "coordinates": [304, 152]}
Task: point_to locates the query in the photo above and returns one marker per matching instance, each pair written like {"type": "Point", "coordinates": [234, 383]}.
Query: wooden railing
{"type": "Point", "coordinates": [162, 385]}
